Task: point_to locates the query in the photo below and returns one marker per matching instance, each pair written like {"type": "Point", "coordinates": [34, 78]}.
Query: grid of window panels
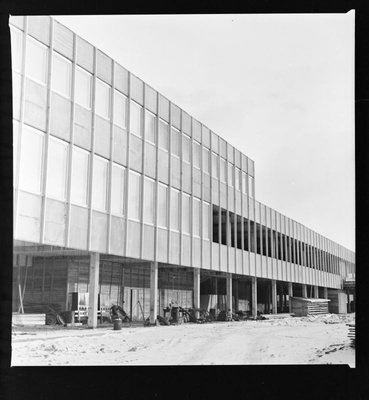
{"type": "Point", "coordinates": [103, 158]}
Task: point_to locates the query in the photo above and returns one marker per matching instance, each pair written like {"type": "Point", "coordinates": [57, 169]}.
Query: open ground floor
{"type": "Point", "coordinates": [90, 283]}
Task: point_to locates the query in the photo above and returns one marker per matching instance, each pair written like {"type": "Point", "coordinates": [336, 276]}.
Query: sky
{"type": "Point", "coordinates": [278, 87]}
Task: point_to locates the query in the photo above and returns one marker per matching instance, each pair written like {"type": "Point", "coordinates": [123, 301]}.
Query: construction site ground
{"type": "Point", "coordinates": [319, 339]}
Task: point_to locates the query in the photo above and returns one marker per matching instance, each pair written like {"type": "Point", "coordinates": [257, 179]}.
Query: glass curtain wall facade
{"type": "Point", "coordinates": [104, 163]}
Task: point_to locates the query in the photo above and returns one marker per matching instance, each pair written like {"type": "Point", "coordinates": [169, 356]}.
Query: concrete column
{"type": "Point", "coordinates": [290, 294]}
{"type": "Point", "coordinates": [236, 294]}
{"type": "Point", "coordinates": [229, 291]}
{"type": "Point", "coordinates": [196, 288]}
{"type": "Point", "coordinates": [316, 292]}
{"type": "Point", "coordinates": [153, 292]}
{"type": "Point", "coordinates": [93, 291]}
{"type": "Point", "coordinates": [348, 301]}
{"type": "Point", "coordinates": [274, 296]}
{"type": "Point", "coordinates": [326, 293]}
{"type": "Point", "coordinates": [254, 296]}
{"type": "Point", "coordinates": [304, 291]}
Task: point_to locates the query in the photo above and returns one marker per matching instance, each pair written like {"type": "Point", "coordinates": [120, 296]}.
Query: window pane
{"type": "Point", "coordinates": [230, 174]}
{"type": "Point", "coordinates": [176, 142]}
{"type": "Point", "coordinates": [206, 221]}
{"type": "Point", "coordinates": [120, 109]}
{"type": "Point", "coordinates": [79, 176]}
{"type": "Point", "coordinates": [102, 102]}
{"type": "Point", "coordinates": [251, 186]}
{"type": "Point", "coordinates": [134, 200]}
{"type": "Point", "coordinates": [135, 114]}
{"type": "Point", "coordinates": [99, 186]}
{"type": "Point", "coordinates": [186, 214]}
{"type": "Point", "coordinates": [238, 178]}
{"type": "Point", "coordinates": [205, 160]}
{"type": "Point", "coordinates": [61, 76]}
{"type": "Point", "coordinates": [83, 88]}
{"type": "Point", "coordinates": [149, 201]}
{"type": "Point", "coordinates": [31, 160]}
{"type": "Point", "coordinates": [196, 154]}
{"type": "Point", "coordinates": [163, 206]}
{"type": "Point", "coordinates": [214, 160]}
{"type": "Point", "coordinates": [244, 183]}
{"type": "Point", "coordinates": [57, 169]}
{"type": "Point", "coordinates": [16, 48]}
{"type": "Point", "coordinates": [150, 127]}
{"type": "Point", "coordinates": [15, 147]}
{"type": "Point", "coordinates": [36, 63]}
{"type": "Point", "coordinates": [223, 169]}
{"type": "Point", "coordinates": [186, 148]}
{"type": "Point", "coordinates": [117, 190]}
{"type": "Point", "coordinates": [196, 217]}
{"type": "Point", "coordinates": [174, 210]}
{"type": "Point", "coordinates": [163, 135]}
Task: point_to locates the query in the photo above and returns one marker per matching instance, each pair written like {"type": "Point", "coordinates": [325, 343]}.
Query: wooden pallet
{"type": "Point", "coordinates": [318, 308]}
{"type": "Point", "coordinates": [352, 333]}
{"type": "Point", "coordinates": [28, 319]}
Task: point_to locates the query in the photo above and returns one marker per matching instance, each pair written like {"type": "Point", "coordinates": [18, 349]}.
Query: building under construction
{"type": "Point", "coordinates": [121, 196]}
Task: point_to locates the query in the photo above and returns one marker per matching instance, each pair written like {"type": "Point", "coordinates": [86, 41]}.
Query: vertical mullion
{"type": "Point", "coordinates": [110, 173]}
{"type": "Point", "coordinates": [91, 177]}
{"type": "Point", "coordinates": [169, 192]}
{"type": "Point", "coordinates": [142, 183]}
{"type": "Point", "coordinates": [156, 194]}
{"type": "Point", "coordinates": [70, 153]}
{"type": "Point", "coordinates": [127, 177]}
{"type": "Point", "coordinates": [47, 135]}
{"type": "Point", "coordinates": [21, 121]}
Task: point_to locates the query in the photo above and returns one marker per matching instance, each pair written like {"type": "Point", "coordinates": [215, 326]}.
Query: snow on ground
{"type": "Point", "coordinates": [308, 340]}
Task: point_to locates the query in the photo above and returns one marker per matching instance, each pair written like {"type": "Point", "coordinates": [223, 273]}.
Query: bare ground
{"type": "Point", "coordinates": [309, 340]}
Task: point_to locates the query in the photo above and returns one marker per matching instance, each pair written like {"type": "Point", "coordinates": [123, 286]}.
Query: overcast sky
{"type": "Point", "coordinates": [280, 88]}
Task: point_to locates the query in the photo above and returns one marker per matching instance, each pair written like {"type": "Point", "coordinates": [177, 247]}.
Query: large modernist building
{"type": "Point", "coordinates": [121, 194]}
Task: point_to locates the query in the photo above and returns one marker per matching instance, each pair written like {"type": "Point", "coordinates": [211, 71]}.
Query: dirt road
{"type": "Point", "coordinates": [284, 341]}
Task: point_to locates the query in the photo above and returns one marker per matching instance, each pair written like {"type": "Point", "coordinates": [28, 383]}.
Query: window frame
{"type": "Point", "coordinates": [153, 202]}
{"type": "Point", "coordinates": [139, 108]}
{"type": "Point", "coordinates": [96, 189]}
{"type": "Point", "coordinates": [76, 149]}
{"type": "Point", "coordinates": [53, 75]}
{"type": "Point", "coordinates": [102, 84]}
{"type": "Point", "coordinates": [112, 211]}
{"type": "Point", "coordinates": [81, 70]}
{"type": "Point", "coordinates": [151, 114]}
{"type": "Point", "coordinates": [18, 54]}
{"type": "Point", "coordinates": [129, 214]}
{"type": "Point", "coordinates": [41, 166]}
{"type": "Point", "coordinates": [67, 148]}
{"type": "Point", "coordinates": [166, 214]}
{"type": "Point", "coordinates": [46, 60]}
{"type": "Point", "coordinates": [118, 94]}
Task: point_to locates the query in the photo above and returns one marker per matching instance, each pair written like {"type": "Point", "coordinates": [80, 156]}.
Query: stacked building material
{"type": "Point", "coordinates": [28, 319]}
{"type": "Point", "coordinates": [302, 307]}
{"type": "Point", "coordinates": [351, 333]}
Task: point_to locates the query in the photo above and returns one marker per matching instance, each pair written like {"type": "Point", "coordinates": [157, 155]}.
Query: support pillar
{"type": "Point", "coordinates": [153, 292]}
{"type": "Point", "coordinates": [196, 288]}
{"type": "Point", "coordinates": [236, 295]}
{"type": "Point", "coordinates": [274, 296]}
{"type": "Point", "coordinates": [316, 292]}
{"type": "Point", "coordinates": [229, 291]}
{"type": "Point", "coordinates": [290, 294]}
{"type": "Point", "coordinates": [254, 296]}
{"type": "Point", "coordinates": [348, 301]}
{"type": "Point", "coordinates": [304, 291]}
{"type": "Point", "coordinates": [326, 293]}
{"type": "Point", "coordinates": [93, 291]}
